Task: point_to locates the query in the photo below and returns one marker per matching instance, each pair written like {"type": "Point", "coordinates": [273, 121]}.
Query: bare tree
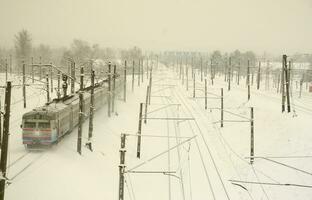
{"type": "Point", "coordinates": [23, 45]}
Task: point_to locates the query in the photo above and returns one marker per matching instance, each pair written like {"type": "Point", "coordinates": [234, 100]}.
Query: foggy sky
{"type": "Point", "coordinates": [275, 26]}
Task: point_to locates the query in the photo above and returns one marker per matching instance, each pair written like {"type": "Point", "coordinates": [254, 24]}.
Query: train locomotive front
{"type": "Point", "coordinates": [39, 127]}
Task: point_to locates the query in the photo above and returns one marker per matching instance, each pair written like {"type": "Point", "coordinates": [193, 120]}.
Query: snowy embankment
{"type": "Point", "coordinates": [198, 169]}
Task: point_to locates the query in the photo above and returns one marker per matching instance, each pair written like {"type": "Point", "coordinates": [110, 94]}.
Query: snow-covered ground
{"type": "Point", "coordinates": [200, 168]}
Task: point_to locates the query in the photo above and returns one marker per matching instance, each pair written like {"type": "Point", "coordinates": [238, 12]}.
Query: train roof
{"type": "Point", "coordinates": [56, 106]}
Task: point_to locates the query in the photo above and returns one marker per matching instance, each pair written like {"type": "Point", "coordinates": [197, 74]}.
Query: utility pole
{"type": "Point", "coordinates": [89, 143]}
{"type": "Point", "coordinates": [125, 82]}
{"type": "Point", "coordinates": [4, 146]}
{"type": "Point", "coordinates": [24, 86]}
{"type": "Point", "coordinates": [283, 82]}
{"type": "Point", "coordinates": [287, 76]}
{"type": "Point", "coordinates": [80, 121]}
{"type": "Point", "coordinates": [81, 118]}
{"type": "Point", "coordinates": [139, 132]}
{"type": "Point", "coordinates": [47, 88]}
{"type": "Point", "coordinates": [251, 135]}
{"type": "Point", "coordinates": [122, 167]}
{"type": "Point", "coordinates": [221, 107]}
{"type": "Point", "coordinates": [109, 90]}
{"type": "Point", "coordinates": [73, 75]}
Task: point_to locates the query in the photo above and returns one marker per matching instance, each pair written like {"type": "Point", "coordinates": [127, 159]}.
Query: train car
{"type": "Point", "coordinates": [46, 125]}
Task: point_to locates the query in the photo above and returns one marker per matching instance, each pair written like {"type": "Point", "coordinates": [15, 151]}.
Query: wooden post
{"type": "Point", "coordinates": [194, 86]}
{"type": "Point", "coordinates": [89, 143]}
{"type": "Point", "coordinates": [205, 94]}
{"type": "Point", "coordinates": [258, 76]}
{"type": "Point", "coordinates": [24, 86]}
{"type": "Point", "coordinates": [73, 75]}
{"type": "Point", "coordinates": [47, 88]}
{"type": "Point", "coordinates": [80, 121]}
{"type": "Point", "coordinates": [287, 76]}
{"type": "Point", "coordinates": [125, 82]}
{"type": "Point", "coordinates": [132, 75]}
{"type": "Point", "coordinates": [122, 167]}
{"type": "Point", "coordinates": [114, 87]}
{"type": "Point", "coordinates": [251, 135]}
{"type": "Point", "coordinates": [109, 91]}
{"type": "Point", "coordinates": [283, 82]}
{"type": "Point", "coordinates": [5, 142]}
{"type": "Point", "coordinates": [221, 107]}
{"type": "Point", "coordinates": [146, 102]}
{"type": "Point", "coordinates": [139, 132]}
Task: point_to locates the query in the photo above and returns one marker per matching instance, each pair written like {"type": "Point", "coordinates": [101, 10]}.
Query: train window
{"type": "Point", "coordinates": [44, 125]}
{"type": "Point", "coordinates": [30, 125]}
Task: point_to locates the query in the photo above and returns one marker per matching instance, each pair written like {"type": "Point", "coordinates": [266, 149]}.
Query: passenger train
{"type": "Point", "coordinates": [47, 125]}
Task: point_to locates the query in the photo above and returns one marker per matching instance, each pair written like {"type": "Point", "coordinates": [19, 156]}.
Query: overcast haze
{"type": "Point", "coordinates": [276, 26]}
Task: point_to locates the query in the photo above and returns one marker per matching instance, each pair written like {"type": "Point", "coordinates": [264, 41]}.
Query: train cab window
{"type": "Point", "coordinates": [30, 125]}
{"type": "Point", "coordinates": [44, 125]}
